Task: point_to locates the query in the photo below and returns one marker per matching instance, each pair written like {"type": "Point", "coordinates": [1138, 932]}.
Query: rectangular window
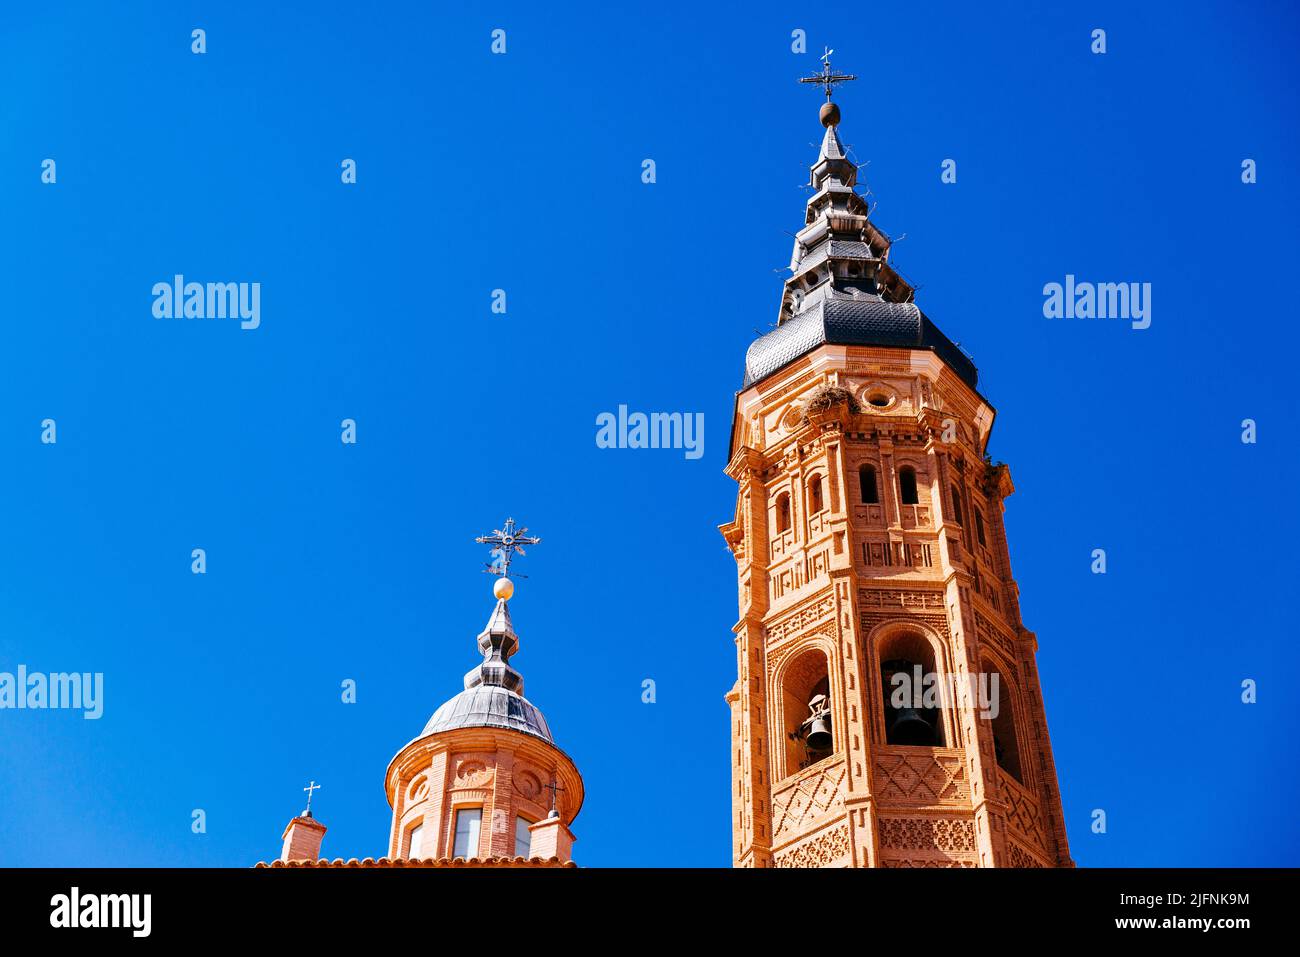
{"type": "Point", "coordinates": [523, 837]}
{"type": "Point", "coordinates": [415, 841]}
{"type": "Point", "coordinates": [467, 825]}
{"type": "Point", "coordinates": [979, 527]}
{"type": "Point", "coordinates": [867, 479]}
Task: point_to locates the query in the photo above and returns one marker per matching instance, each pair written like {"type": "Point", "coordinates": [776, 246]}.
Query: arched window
{"type": "Point", "coordinates": [956, 505]}
{"type": "Point", "coordinates": [911, 692]}
{"type": "Point", "coordinates": [1006, 747]}
{"type": "Point", "coordinates": [814, 495]}
{"type": "Point", "coordinates": [805, 691]}
{"type": "Point", "coordinates": [907, 485]}
{"type": "Point", "coordinates": [867, 481]}
{"type": "Point", "coordinates": [979, 527]}
{"type": "Point", "coordinates": [783, 512]}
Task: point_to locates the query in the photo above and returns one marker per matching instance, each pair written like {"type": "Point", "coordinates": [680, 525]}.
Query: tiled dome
{"type": "Point", "coordinates": [489, 706]}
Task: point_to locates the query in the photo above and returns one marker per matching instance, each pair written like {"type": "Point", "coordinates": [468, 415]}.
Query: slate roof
{"type": "Point", "coordinates": [851, 317]}
{"type": "Point", "coordinates": [493, 695]}
{"type": "Point", "coordinates": [842, 290]}
{"type": "Point", "coordinates": [490, 706]}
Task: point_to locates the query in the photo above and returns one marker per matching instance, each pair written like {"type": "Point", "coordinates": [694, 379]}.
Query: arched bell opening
{"type": "Point", "coordinates": [806, 711]}
{"type": "Point", "coordinates": [912, 692]}
{"type": "Point", "coordinates": [1006, 743]}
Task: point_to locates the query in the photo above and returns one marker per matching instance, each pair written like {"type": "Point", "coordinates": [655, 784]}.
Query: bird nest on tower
{"type": "Point", "coordinates": [827, 397]}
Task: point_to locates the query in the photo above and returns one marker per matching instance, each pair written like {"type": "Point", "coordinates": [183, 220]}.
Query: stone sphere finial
{"type": "Point", "coordinates": [503, 589]}
{"type": "Point", "coordinates": [830, 114]}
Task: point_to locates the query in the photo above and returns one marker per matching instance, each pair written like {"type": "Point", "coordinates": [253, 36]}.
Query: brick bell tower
{"type": "Point", "coordinates": [872, 564]}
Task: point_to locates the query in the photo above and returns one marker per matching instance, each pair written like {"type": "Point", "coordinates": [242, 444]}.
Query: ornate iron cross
{"type": "Point", "coordinates": [827, 78]}
{"type": "Point", "coordinates": [505, 542]}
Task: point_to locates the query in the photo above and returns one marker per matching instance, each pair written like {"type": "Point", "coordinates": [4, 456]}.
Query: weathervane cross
{"type": "Point", "coordinates": [827, 78]}
{"type": "Point", "coordinates": [313, 786]}
{"type": "Point", "coordinates": [505, 542]}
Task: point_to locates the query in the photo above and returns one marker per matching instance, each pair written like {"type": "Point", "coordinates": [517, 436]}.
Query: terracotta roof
{"type": "Point", "coordinates": [425, 862]}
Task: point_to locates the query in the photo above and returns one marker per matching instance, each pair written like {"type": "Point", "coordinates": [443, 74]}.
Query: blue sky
{"type": "Point", "coordinates": [522, 172]}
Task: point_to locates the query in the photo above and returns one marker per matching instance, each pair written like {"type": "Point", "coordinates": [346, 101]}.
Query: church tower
{"type": "Point", "coordinates": [485, 780]}
{"type": "Point", "coordinates": [484, 784]}
{"type": "Point", "coordinates": [887, 711]}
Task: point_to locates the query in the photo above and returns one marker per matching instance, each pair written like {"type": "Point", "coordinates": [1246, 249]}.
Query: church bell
{"type": "Point", "coordinates": [819, 734]}
{"type": "Point", "coordinates": [817, 726]}
{"type": "Point", "coordinates": [909, 727]}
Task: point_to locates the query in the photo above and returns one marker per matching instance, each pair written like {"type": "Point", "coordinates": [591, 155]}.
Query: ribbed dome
{"type": "Point", "coordinates": [493, 695]}
{"type": "Point", "coordinates": [490, 706]}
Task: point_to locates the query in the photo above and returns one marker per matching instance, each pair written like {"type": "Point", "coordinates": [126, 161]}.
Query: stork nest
{"type": "Point", "coordinates": [828, 397]}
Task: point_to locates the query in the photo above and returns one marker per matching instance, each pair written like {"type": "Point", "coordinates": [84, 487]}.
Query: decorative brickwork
{"type": "Point", "coordinates": [827, 849]}
{"type": "Point", "coordinates": [868, 520]}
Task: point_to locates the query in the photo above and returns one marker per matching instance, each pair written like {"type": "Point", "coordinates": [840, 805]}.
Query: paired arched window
{"type": "Point", "coordinates": [815, 503]}
{"type": "Point", "coordinates": [806, 712]}
{"type": "Point", "coordinates": [783, 512]}
{"type": "Point", "coordinates": [867, 482]}
{"type": "Point", "coordinates": [907, 485]}
{"type": "Point", "coordinates": [912, 692]}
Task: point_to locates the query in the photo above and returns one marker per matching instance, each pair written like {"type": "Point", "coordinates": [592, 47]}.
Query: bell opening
{"type": "Point", "coordinates": [909, 721]}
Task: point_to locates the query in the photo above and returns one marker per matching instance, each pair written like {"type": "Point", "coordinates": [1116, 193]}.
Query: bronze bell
{"type": "Point", "coordinates": [817, 726]}
{"type": "Point", "coordinates": [819, 733]}
{"type": "Point", "coordinates": [909, 727]}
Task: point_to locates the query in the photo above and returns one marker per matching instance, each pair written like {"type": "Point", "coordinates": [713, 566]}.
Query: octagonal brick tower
{"type": "Point", "coordinates": [869, 543]}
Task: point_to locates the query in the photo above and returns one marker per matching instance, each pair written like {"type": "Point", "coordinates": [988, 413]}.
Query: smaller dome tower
{"type": "Point", "coordinates": [485, 779]}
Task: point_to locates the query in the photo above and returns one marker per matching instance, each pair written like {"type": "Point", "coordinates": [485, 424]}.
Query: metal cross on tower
{"type": "Point", "coordinates": [552, 787]}
{"type": "Point", "coordinates": [827, 78]}
{"type": "Point", "coordinates": [505, 542]}
{"type": "Point", "coordinates": [313, 786]}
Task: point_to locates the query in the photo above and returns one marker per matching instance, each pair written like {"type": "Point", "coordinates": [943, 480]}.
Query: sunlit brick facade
{"type": "Point", "coordinates": [869, 540]}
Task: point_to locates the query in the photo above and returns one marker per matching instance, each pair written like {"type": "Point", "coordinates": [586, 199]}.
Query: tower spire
{"type": "Point", "coordinates": [498, 640]}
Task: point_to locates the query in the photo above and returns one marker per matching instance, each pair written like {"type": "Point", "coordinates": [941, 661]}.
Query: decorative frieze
{"type": "Point", "coordinates": [947, 835]}
{"type": "Point", "coordinates": [800, 619]}
{"type": "Point", "coordinates": [899, 598]}
{"type": "Point", "coordinates": [827, 849]}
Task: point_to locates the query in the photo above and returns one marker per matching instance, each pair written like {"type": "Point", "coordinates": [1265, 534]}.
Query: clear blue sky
{"type": "Point", "coordinates": [522, 172]}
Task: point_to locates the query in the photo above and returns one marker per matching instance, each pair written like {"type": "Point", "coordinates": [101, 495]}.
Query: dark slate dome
{"type": "Point", "coordinates": [489, 706]}
{"type": "Point", "coordinates": [851, 317]}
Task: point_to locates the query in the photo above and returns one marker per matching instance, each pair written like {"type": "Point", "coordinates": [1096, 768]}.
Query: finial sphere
{"type": "Point", "coordinates": [503, 589]}
{"type": "Point", "coordinates": [830, 114]}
